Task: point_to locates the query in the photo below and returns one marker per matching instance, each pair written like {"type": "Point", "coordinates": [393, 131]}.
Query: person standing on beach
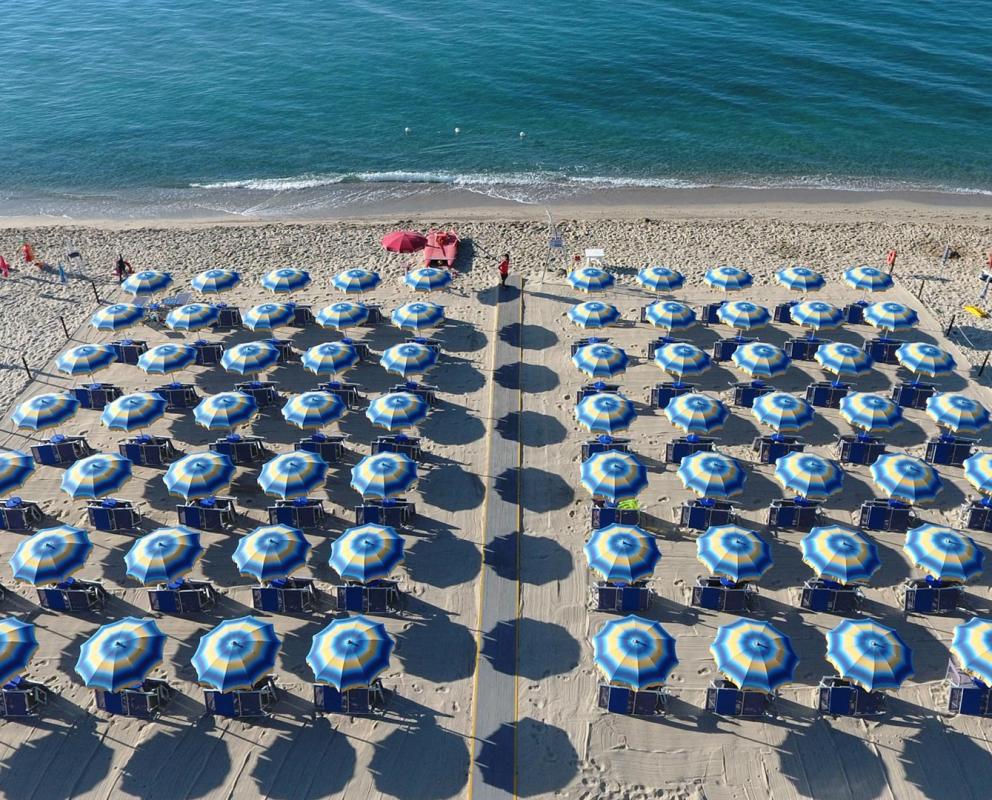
{"type": "Point", "coordinates": [4, 267]}
{"type": "Point", "coordinates": [122, 268]}
{"type": "Point", "coordinates": [504, 269]}
{"type": "Point", "coordinates": [28, 252]}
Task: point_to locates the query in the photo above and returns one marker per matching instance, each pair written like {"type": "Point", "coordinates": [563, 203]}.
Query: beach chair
{"type": "Point", "coordinates": [346, 391]}
{"type": "Point", "coordinates": [699, 515]}
{"type": "Point", "coordinates": [854, 314]}
{"type": "Point", "coordinates": [285, 596]}
{"type": "Point", "coordinates": [97, 395]}
{"type": "Point", "coordinates": [652, 347]}
{"type": "Point", "coordinates": [600, 445]}
{"type": "Point", "coordinates": [726, 699]}
{"type": "Point", "coordinates": [859, 449]}
{"type": "Point", "coordinates": [255, 702]}
{"type": "Point", "coordinates": [148, 451]}
{"type": "Point", "coordinates": [329, 448]}
{"type": "Point", "coordinates": [802, 349]}
{"type": "Point", "coordinates": [405, 445]}
{"type": "Point", "coordinates": [375, 315]}
{"type": "Point", "coordinates": [144, 702]}
{"type": "Point", "coordinates": [921, 596]}
{"type": "Point", "coordinates": [976, 516]}
{"type": "Point", "coordinates": [229, 317]}
{"type": "Point", "coordinates": [240, 449]}
{"type": "Point", "coordinates": [633, 702]}
{"type": "Point", "coordinates": [302, 317]}
{"type": "Point", "coordinates": [884, 515]}
{"type": "Point", "coordinates": [949, 451]}
{"type": "Point", "coordinates": [19, 515]}
{"type": "Point", "coordinates": [128, 351]}
{"type": "Point", "coordinates": [60, 450]}
{"type": "Point", "coordinates": [300, 512]}
{"type": "Point", "coordinates": [825, 394]}
{"type": "Point", "coordinates": [379, 596]}
{"type": "Point", "coordinates": [73, 595]}
{"type": "Point", "coordinates": [682, 447]}
{"type": "Point", "coordinates": [433, 344]}
{"type": "Point", "coordinates": [111, 515]}
{"type": "Point", "coordinates": [21, 698]}
{"type": "Point", "coordinates": [427, 391]}
{"type": "Point", "coordinates": [662, 393]}
{"type": "Point", "coordinates": [359, 700]}
{"type": "Point", "coordinates": [913, 395]}
{"type": "Point", "coordinates": [967, 695]}
{"type": "Point", "coordinates": [841, 698]}
{"type": "Point", "coordinates": [830, 597]}
{"type": "Point", "coordinates": [883, 351]}
{"type": "Point", "coordinates": [771, 448]}
{"type": "Point", "coordinates": [783, 312]}
{"type": "Point", "coordinates": [178, 396]}
{"type": "Point", "coordinates": [718, 594]}
{"type": "Point", "coordinates": [599, 387]}
{"type": "Point", "coordinates": [792, 515]}
{"type": "Point", "coordinates": [746, 392]}
{"type": "Point", "coordinates": [708, 314]}
{"type": "Point", "coordinates": [578, 344]}
{"type": "Point", "coordinates": [182, 597]}
{"type": "Point", "coordinates": [625, 598]}
{"type": "Point", "coordinates": [264, 392]}
{"type": "Point", "coordinates": [207, 353]}
{"type": "Point", "coordinates": [285, 348]}
{"type": "Point", "coordinates": [207, 514]}
{"type": "Point", "coordinates": [395, 513]}
{"type": "Point", "coordinates": [724, 349]}
{"type": "Point", "coordinates": [601, 516]}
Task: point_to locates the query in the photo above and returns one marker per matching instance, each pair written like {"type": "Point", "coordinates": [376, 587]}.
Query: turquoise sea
{"type": "Point", "coordinates": [111, 104]}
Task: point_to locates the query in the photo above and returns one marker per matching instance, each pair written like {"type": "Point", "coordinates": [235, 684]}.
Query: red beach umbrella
{"type": "Point", "coordinates": [404, 241]}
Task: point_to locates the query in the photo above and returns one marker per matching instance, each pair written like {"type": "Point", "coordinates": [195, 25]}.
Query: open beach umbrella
{"type": "Point", "coordinates": [313, 410]}
{"type": "Point", "coordinates": [809, 475]}
{"type": "Point", "coordinates": [148, 281]}
{"type": "Point", "coordinates": [841, 358]}
{"type": "Point", "coordinates": [271, 551]}
{"type": "Point", "coordinates": [225, 410]}
{"type": "Point", "coordinates": [957, 412]}
{"type": "Point", "coordinates": [590, 279]}
{"type": "Point", "coordinates": [15, 468]}
{"type": "Point", "coordinates": [712, 475]}
{"type": "Point", "coordinates": [350, 653]}
{"type": "Point", "coordinates": [816, 315]}
{"type": "Point", "coordinates": [730, 279]}
{"type": "Point", "coordinates": [199, 475]}
{"type": "Point", "coordinates": [696, 412]}
{"type": "Point", "coordinates": [622, 553]}
{"type": "Point", "coordinates": [397, 410]}
{"type": "Point", "coordinates": [117, 317]}
{"type": "Point", "coordinates": [427, 279]}
{"type": "Point", "coordinates": [17, 644]}
{"type": "Point", "coordinates": [870, 654]}
{"type": "Point", "coordinates": [928, 359]}
{"type": "Point", "coordinates": [870, 412]}
{"type": "Point", "coordinates": [404, 241]}
{"type": "Point", "coordinates": [343, 315]}
{"type": "Point", "coordinates": [800, 279]}
{"type": "Point", "coordinates": [944, 553]}
{"type": "Point", "coordinates": [783, 412]}
{"type": "Point", "coordinates": [268, 316]}
{"type": "Point", "coordinates": [760, 360]}
{"type": "Point", "coordinates": [733, 552]}
{"type": "Point", "coordinates": [51, 555]}
{"type": "Point", "coordinates": [285, 280]}
{"type": "Point", "coordinates": [890, 316]}
{"type": "Point", "coordinates": [215, 281]}
{"type": "Point", "coordinates": [356, 281]}
{"type": "Point", "coordinates": [681, 359]}
{"type": "Point", "coordinates": [660, 279]}
{"type": "Point", "coordinates": [972, 647]}
{"type": "Point", "coordinates": [96, 476]}
{"type": "Point", "coordinates": [86, 359]}
{"type": "Point", "coordinates": [164, 555]}
{"type": "Point", "coordinates": [366, 553]}
{"type": "Point", "coordinates": [867, 279]}
{"type": "Point", "coordinates": [978, 471]}
{"type": "Point", "coordinates": [408, 358]}
{"type": "Point", "coordinates": [635, 652]}
{"type": "Point", "coordinates": [840, 554]}
{"type": "Point", "coordinates": [593, 314]}
{"type": "Point", "coordinates": [905, 478]}
{"type": "Point", "coordinates": [670, 315]}
{"type": "Point", "coordinates": [121, 654]}
{"type": "Point", "coordinates": [754, 655]}
{"type": "Point", "coordinates": [293, 474]}
{"type": "Point", "coordinates": [192, 317]}
{"type": "Point", "coordinates": [250, 357]}
{"type": "Point", "coordinates": [133, 411]}
{"type": "Point", "coordinates": [165, 358]}
{"type": "Point", "coordinates": [600, 360]}
{"type": "Point", "coordinates": [236, 654]}
{"type": "Point", "coordinates": [330, 358]}
{"type": "Point", "coordinates": [45, 411]}
{"type": "Point", "coordinates": [383, 475]}
{"type": "Point", "coordinates": [606, 413]}
{"type": "Point", "coordinates": [743, 315]}
{"type": "Point", "coordinates": [613, 475]}
{"type": "Point", "coordinates": [418, 316]}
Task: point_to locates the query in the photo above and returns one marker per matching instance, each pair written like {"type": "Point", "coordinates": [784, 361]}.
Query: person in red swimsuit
{"type": "Point", "coordinates": [504, 269]}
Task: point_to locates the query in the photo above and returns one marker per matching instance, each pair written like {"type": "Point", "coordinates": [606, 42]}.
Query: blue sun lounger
{"type": "Point", "coordinates": [73, 595]}
{"type": "Point", "coordinates": [395, 513]}
{"type": "Point", "coordinates": [207, 353]}
{"type": "Point", "coordinates": [379, 596]}
{"type": "Point", "coordinates": [285, 596]}
{"type": "Point", "coordinates": [21, 698]}
{"type": "Point", "coordinates": [625, 598]}
{"type": "Point", "coordinates": [255, 702]}
{"type": "Point", "coordinates": [771, 448]}
{"type": "Point", "coordinates": [97, 395]}
{"type": "Point", "coordinates": [145, 701]}
{"type": "Point", "coordinates": [207, 514]}
{"type": "Point", "coordinates": [329, 448]}
{"type": "Point", "coordinates": [240, 449]}
{"type": "Point", "coordinates": [967, 695]}
{"type": "Point", "coordinates": [178, 396]}
{"type": "Point", "coordinates": [111, 515]}
{"type": "Point", "coordinates": [726, 699]}
{"type": "Point", "coordinates": [830, 597]}
{"type": "Point", "coordinates": [408, 446]}
{"type": "Point", "coordinates": [182, 597]}
{"type": "Point", "coordinates": [859, 449]}
{"type": "Point", "coordinates": [884, 515]}
{"type": "Point", "coordinates": [633, 702]}
{"type": "Point", "coordinates": [148, 451]}
{"type": "Point", "coordinates": [927, 596]}
{"type": "Point", "coordinates": [662, 393]}
{"type": "Point", "coordinates": [300, 512]}
{"type": "Point", "coordinates": [128, 351]}
{"type": "Point", "coordinates": [826, 394]}
{"type": "Point", "coordinates": [60, 450]}
{"type": "Point", "coordinates": [360, 700]}
{"type": "Point", "coordinates": [841, 698]}
{"type": "Point", "coordinates": [19, 515]}
{"type": "Point", "coordinates": [719, 594]}
{"type": "Point", "coordinates": [230, 317]}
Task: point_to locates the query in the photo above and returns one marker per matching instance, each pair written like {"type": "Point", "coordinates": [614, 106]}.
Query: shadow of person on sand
{"type": "Point", "coordinates": [315, 760]}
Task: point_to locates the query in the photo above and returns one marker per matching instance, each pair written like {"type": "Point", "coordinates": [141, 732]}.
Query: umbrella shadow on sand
{"type": "Point", "coordinates": [449, 423]}
{"type": "Point", "coordinates": [316, 760]}
{"type": "Point", "coordinates": [942, 762]}
{"type": "Point", "coordinates": [428, 632]}
{"type": "Point", "coordinates": [530, 648]}
{"type": "Point", "coordinates": [443, 560]}
{"type": "Point", "coordinates": [822, 760]}
{"type": "Point", "coordinates": [531, 428]}
{"type": "Point", "coordinates": [546, 760]}
{"type": "Point", "coordinates": [532, 378]}
{"type": "Point", "coordinates": [542, 491]}
{"type": "Point", "coordinates": [452, 488]}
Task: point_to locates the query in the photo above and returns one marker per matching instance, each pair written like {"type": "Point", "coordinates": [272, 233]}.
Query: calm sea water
{"type": "Point", "coordinates": [177, 99]}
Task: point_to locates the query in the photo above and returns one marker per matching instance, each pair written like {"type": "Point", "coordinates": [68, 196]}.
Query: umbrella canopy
{"type": "Point", "coordinates": [622, 553]}
{"type": "Point", "coordinates": [730, 279]}
{"type": "Point", "coordinates": [905, 478]}
{"type": "Point", "coordinates": [712, 475]}
{"type": "Point", "coordinates": [783, 412]}
{"type": "Point", "coordinates": [165, 358]}
{"type": "Point", "coordinates": [192, 317]}
{"type": "Point", "coordinates": [944, 553]}
{"type": "Point", "coordinates": [409, 358]}
{"type": "Point", "coordinates": [972, 647]}
{"type": "Point", "coordinates": [236, 654]}
{"type": "Point", "coordinates": [51, 555]}
{"type": "Point", "coordinates": [840, 554]}
{"type": "Point", "coordinates": [15, 468]}
{"type": "Point", "coordinates": [842, 358]}
{"type": "Point", "coordinates": [383, 475]}
{"type": "Point", "coordinates": [250, 357]}
{"type": "Point", "coordinates": [330, 358]}
{"type": "Point", "coordinates": [958, 412]}
{"type": "Point", "coordinates": [293, 474]}
{"type": "Point", "coordinates": [743, 315]}
{"type": "Point", "coordinates": [590, 279]}
{"type": "Point", "coordinates": [133, 411]}
{"type": "Point", "coordinates": [366, 553]}
{"type": "Point", "coordinates": [343, 315]}
{"type": "Point", "coordinates": [593, 314]}
{"type": "Point", "coordinates": [613, 475]}
{"type": "Point", "coordinates": [924, 358]}
{"type": "Point", "coordinates": [117, 317]}
{"type": "Point", "coordinates": [285, 280]}
{"type": "Point", "coordinates": [869, 654]}
{"type": "Point", "coordinates": [733, 552]}
{"type": "Point", "coordinates": [418, 316]}
{"type": "Point", "coordinates": [199, 475]}
{"type": "Point", "coordinates": [215, 281]}
{"type": "Point", "coordinates": [404, 241]}
{"type": "Point", "coordinates": [121, 654]}
{"type": "Point", "coordinates": [660, 279]}
{"type": "Point", "coordinates": [164, 555]}
{"type": "Point", "coordinates": [635, 652]}
{"type": "Point", "coordinates": [148, 281]}
{"type": "Point", "coordinates": [45, 411]}
{"type": "Point", "coordinates": [800, 279]}
{"type": "Point", "coordinates": [268, 316]}
{"type": "Point", "coordinates": [17, 644]}
{"type": "Point", "coordinates": [397, 410]}
{"type": "Point", "coordinates": [225, 410]}
{"type": "Point", "coordinates": [670, 315]}
{"type": "Point", "coordinates": [817, 314]}
{"type": "Point", "coordinates": [809, 475]}
{"type": "Point", "coordinates": [271, 551]}
{"type": "Point", "coordinates": [870, 412]}
{"type": "Point", "coordinates": [978, 471]}
{"type": "Point", "coordinates": [754, 655]}
{"type": "Point", "coordinates": [600, 360]}
{"type": "Point", "coordinates": [605, 413]}
{"type": "Point", "coordinates": [97, 475]}
{"type": "Point", "coordinates": [86, 359]}
{"type": "Point", "coordinates": [696, 413]}
{"type": "Point", "coordinates": [356, 281]}
{"type": "Point", "coordinates": [890, 316]}
{"type": "Point", "coordinates": [760, 360]}
{"type": "Point", "coordinates": [313, 410]}
{"type": "Point", "coordinates": [867, 279]}
{"type": "Point", "coordinates": [427, 279]}
{"type": "Point", "coordinates": [350, 653]}
{"type": "Point", "coordinates": [681, 358]}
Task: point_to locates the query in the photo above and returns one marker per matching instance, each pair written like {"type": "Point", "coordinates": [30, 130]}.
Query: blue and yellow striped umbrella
{"type": "Point", "coordinates": [870, 412]}
{"type": "Point", "coordinates": [427, 279]}
{"type": "Point", "coordinates": [355, 281]}
{"type": "Point", "coordinates": [17, 644]}
{"type": "Point", "coordinates": [590, 279]}
{"type": "Point", "coordinates": [600, 360]}
{"type": "Point", "coordinates": [800, 279]}
{"type": "Point", "coordinates": [86, 359]}
{"type": "Point", "coordinates": [343, 315]}
{"type": "Point", "coordinates": [51, 555]}
{"type": "Point", "coordinates": [397, 410]}
{"type": "Point", "coordinates": [293, 474]}
{"type": "Point", "coordinates": [870, 654]}
{"type": "Point", "coordinates": [809, 475]}
{"type": "Point", "coordinates": [383, 475]}
{"type": "Point", "coordinates": [906, 478]}
{"type": "Point", "coordinates": [944, 553]}
{"type": "Point", "coordinates": [613, 475]}
{"type": "Point", "coordinates": [121, 654]}
{"type": "Point", "coordinates": [867, 279]}
{"type": "Point", "coordinates": [978, 471]}
{"type": "Point", "coordinates": [250, 357]}
{"type": "Point", "coordinates": [816, 315]}
{"type": "Point", "coordinates": [754, 655]}
{"type": "Point", "coordinates": [972, 647]}
{"type": "Point", "coordinates": [199, 475]}
{"type": "Point", "coordinates": [313, 410]}
{"type": "Point", "coordinates": [350, 653]}
{"type": "Point", "coordinates": [957, 412]}
{"type": "Point", "coordinates": [117, 317]}
{"type": "Point", "coordinates": [783, 412]}
{"type": "Point", "coordinates": [681, 359]}
{"type": "Point", "coordinates": [408, 358]}
{"type": "Point", "coordinates": [890, 316]}
{"type": "Point", "coordinates": [268, 316]}
{"type": "Point", "coordinates": [133, 411]}
{"type": "Point", "coordinates": [605, 413]}
{"type": "Point", "coordinates": [928, 359]}
{"type": "Point", "coordinates": [148, 281]}
{"type": "Point", "coordinates": [215, 281]}
{"type": "Point", "coordinates": [236, 654]}
{"type": "Point", "coordinates": [366, 553]}
{"type": "Point", "coordinates": [15, 468]}
{"type": "Point", "coordinates": [730, 279]}
{"type": "Point", "coordinates": [840, 554]}
{"type": "Point", "coordinates": [843, 359]}
{"type": "Point", "coordinates": [670, 315]}
{"type": "Point", "coordinates": [418, 316]}
{"type": "Point", "coordinates": [164, 555]}
{"type": "Point", "coordinates": [330, 358]}
{"type": "Point", "coordinates": [712, 475]}
{"type": "Point", "coordinates": [593, 314]}
{"type": "Point", "coordinates": [97, 475]}
{"type": "Point", "coordinates": [285, 280]}
{"type": "Point", "coordinates": [743, 315]}
{"type": "Point", "coordinates": [696, 412]}
{"type": "Point", "coordinates": [660, 279]}
{"type": "Point", "coordinates": [225, 410]}
{"type": "Point", "coordinates": [192, 317]}
{"type": "Point", "coordinates": [271, 551]}
{"type": "Point", "coordinates": [634, 652]}
{"type": "Point", "coordinates": [733, 552]}
{"type": "Point", "coordinates": [760, 360]}
{"type": "Point", "coordinates": [622, 553]}
{"type": "Point", "coordinates": [45, 411]}
{"type": "Point", "coordinates": [165, 358]}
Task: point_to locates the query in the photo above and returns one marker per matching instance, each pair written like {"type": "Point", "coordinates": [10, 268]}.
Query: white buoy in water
{"type": "Point", "coordinates": [522, 134]}
{"type": "Point", "coordinates": [406, 131]}
{"type": "Point", "coordinates": [458, 130]}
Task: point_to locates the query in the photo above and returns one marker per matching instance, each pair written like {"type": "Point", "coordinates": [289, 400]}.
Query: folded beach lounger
{"type": "Point", "coordinates": [207, 514]}
{"type": "Point", "coordinates": [19, 515]}
{"type": "Point", "coordinates": [112, 515]}
{"type": "Point", "coordinates": [21, 698]}
{"type": "Point", "coordinates": [330, 448]}
{"type": "Point", "coordinates": [97, 395]}
{"type": "Point", "coordinates": [182, 597]}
